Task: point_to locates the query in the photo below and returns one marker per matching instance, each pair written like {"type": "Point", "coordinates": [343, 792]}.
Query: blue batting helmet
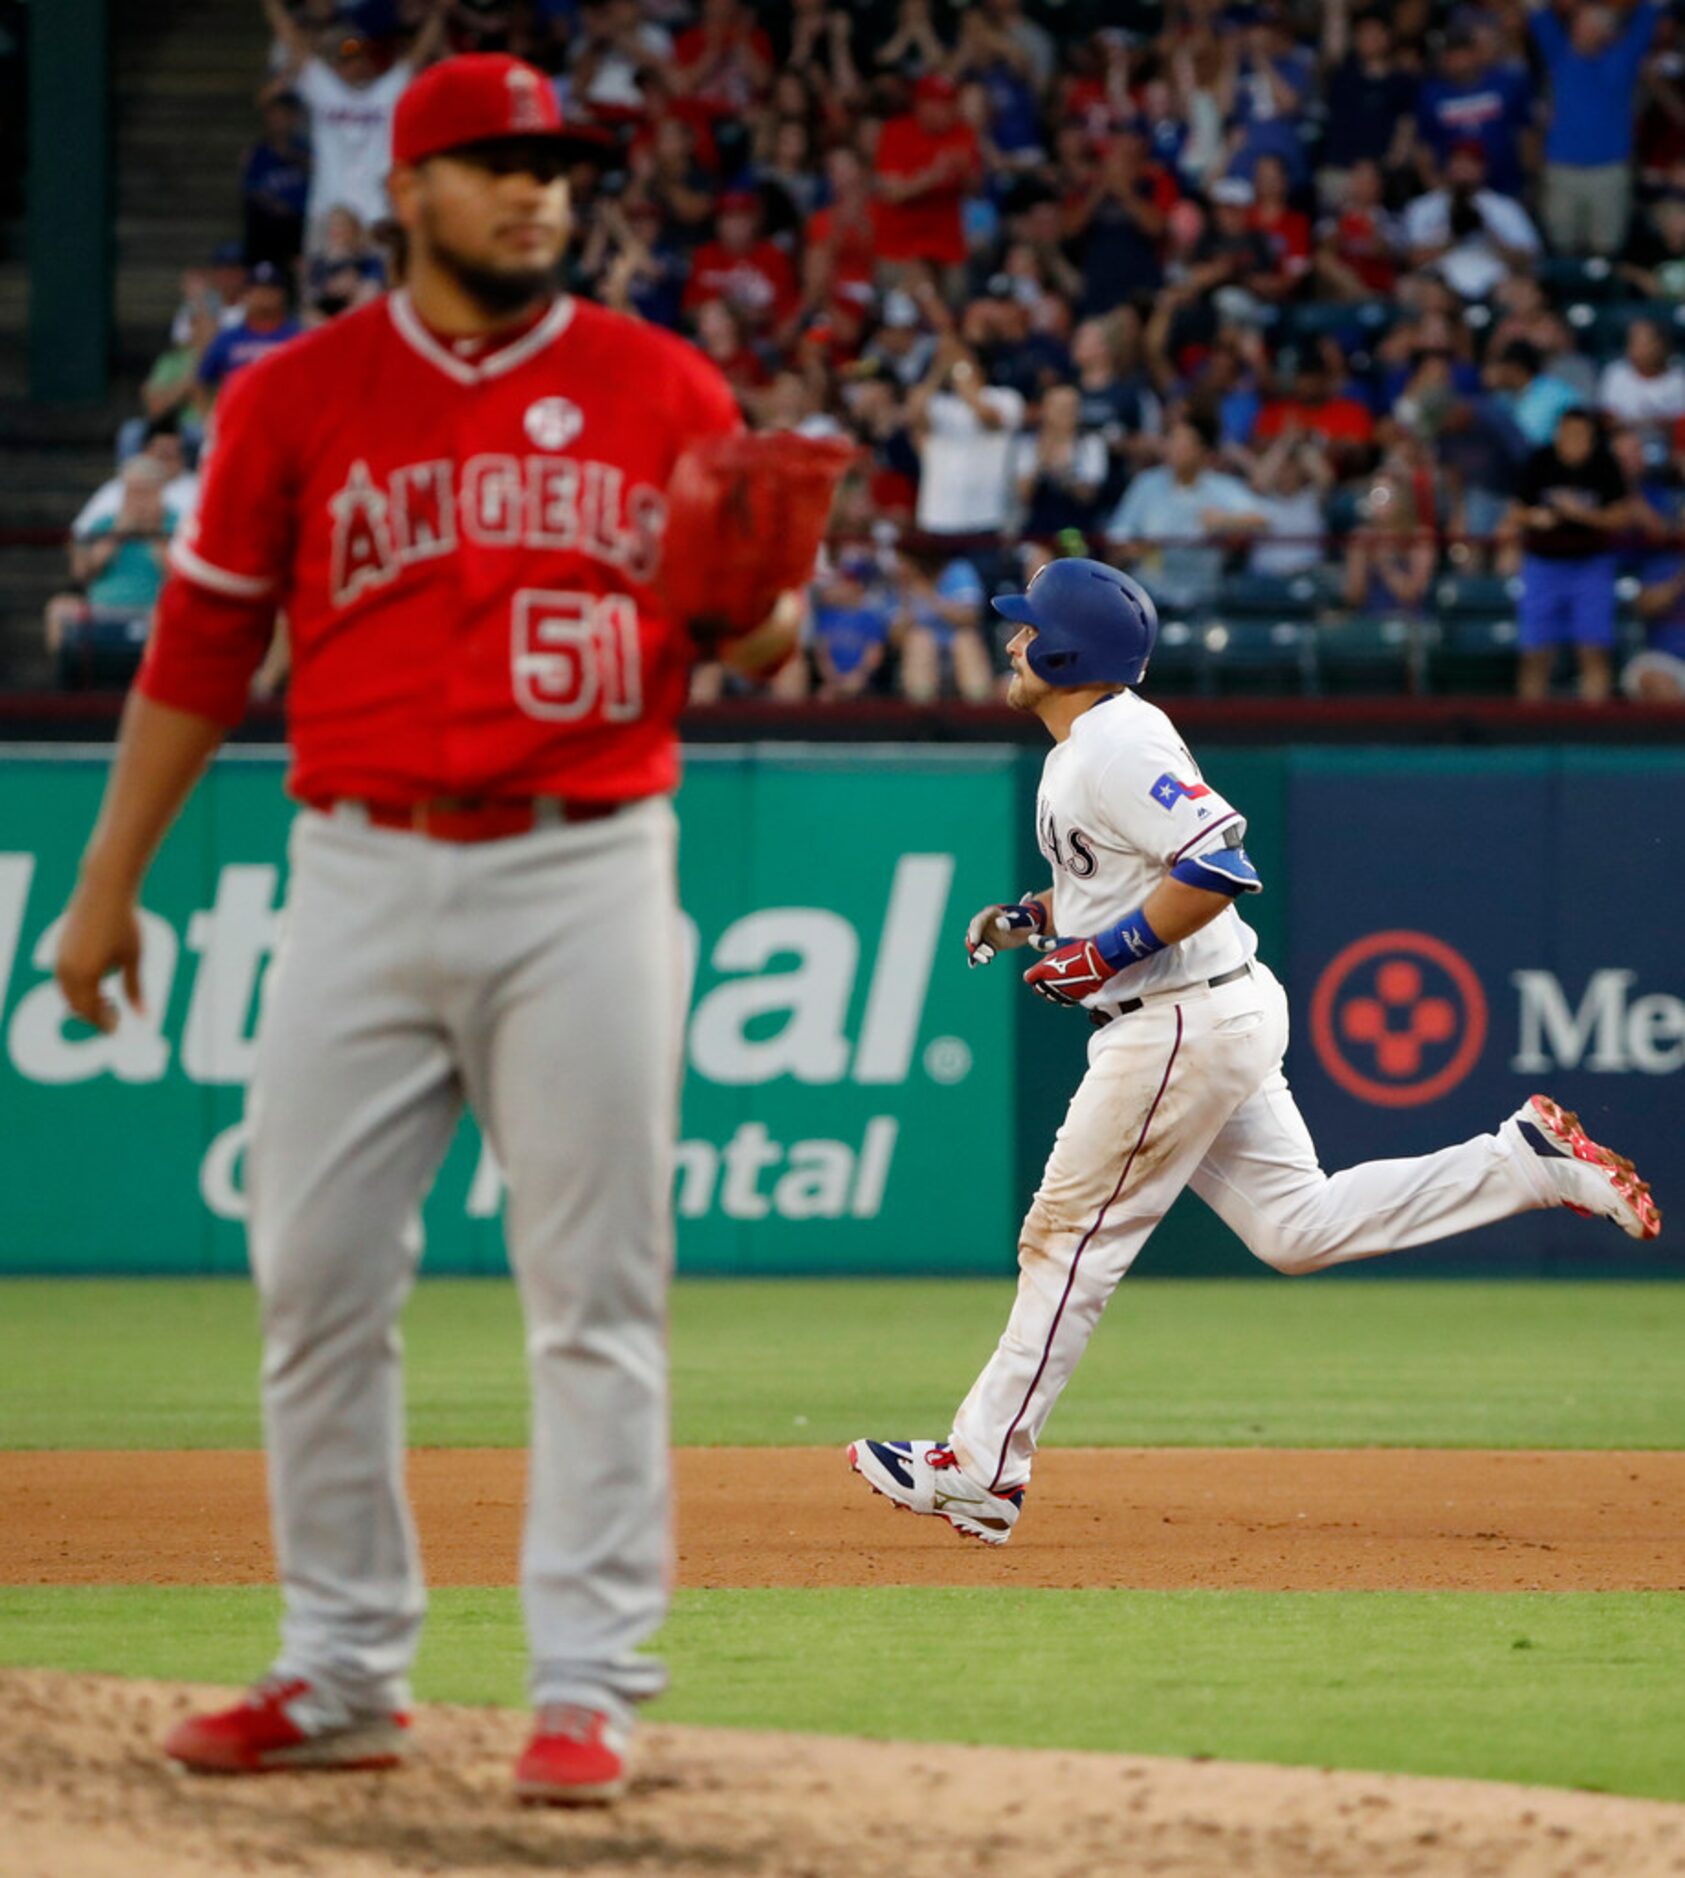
{"type": "Point", "coordinates": [1094, 625]}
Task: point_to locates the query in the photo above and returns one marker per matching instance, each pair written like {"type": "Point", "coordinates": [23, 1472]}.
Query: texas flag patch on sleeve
{"type": "Point", "coordinates": [1167, 791]}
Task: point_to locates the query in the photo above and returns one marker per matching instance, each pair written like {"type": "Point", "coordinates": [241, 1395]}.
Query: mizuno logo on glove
{"type": "Point", "coordinates": [1073, 971]}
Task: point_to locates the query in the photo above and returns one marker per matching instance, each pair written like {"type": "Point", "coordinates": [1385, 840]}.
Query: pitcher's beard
{"type": "Point", "coordinates": [499, 292]}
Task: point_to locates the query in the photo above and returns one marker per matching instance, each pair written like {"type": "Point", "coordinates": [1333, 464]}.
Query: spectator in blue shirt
{"type": "Point", "coordinates": [1175, 522]}
{"type": "Point", "coordinates": [1530, 393]}
{"type": "Point", "coordinates": [1115, 224]}
{"type": "Point", "coordinates": [1371, 98]}
{"type": "Point", "coordinates": [850, 628]}
{"type": "Point", "coordinates": [276, 184]}
{"type": "Point", "coordinates": [1655, 675]}
{"type": "Point", "coordinates": [1479, 451]}
{"type": "Point", "coordinates": [631, 263]}
{"type": "Point", "coordinates": [1272, 83]}
{"type": "Point", "coordinates": [989, 56]}
{"type": "Point", "coordinates": [1593, 60]}
{"type": "Point", "coordinates": [937, 631]}
{"type": "Point", "coordinates": [264, 323]}
{"type": "Point", "coordinates": [1471, 101]}
{"type": "Point", "coordinates": [346, 269]}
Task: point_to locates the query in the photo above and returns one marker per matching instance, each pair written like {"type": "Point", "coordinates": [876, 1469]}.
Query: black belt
{"type": "Point", "coordinates": [1100, 1019]}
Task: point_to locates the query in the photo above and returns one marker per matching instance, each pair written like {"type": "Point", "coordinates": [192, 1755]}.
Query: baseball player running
{"type": "Point", "coordinates": [1184, 1083]}
{"type": "Point", "coordinates": [456, 495]}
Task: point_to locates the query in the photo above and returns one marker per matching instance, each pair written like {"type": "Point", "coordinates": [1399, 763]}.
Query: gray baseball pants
{"type": "Point", "coordinates": [538, 981]}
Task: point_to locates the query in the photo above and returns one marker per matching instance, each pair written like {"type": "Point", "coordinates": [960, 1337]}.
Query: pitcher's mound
{"type": "Point", "coordinates": [85, 1794]}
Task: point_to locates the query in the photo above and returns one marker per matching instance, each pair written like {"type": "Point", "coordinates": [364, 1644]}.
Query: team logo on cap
{"type": "Point", "coordinates": [526, 111]}
{"type": "Point", "coordinates": [553, 423]}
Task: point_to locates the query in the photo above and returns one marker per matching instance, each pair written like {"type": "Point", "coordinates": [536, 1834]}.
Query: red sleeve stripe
{"type": "Point", "coordinates": [205, 573]}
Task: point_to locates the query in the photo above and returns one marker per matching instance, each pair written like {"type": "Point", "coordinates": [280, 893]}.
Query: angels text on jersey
{"type": "Point", "coordinates": [495, 500]}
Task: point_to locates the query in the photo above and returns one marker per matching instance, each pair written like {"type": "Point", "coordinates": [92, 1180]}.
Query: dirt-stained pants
{"type": "Point", "coordinates": [1189, 1091]}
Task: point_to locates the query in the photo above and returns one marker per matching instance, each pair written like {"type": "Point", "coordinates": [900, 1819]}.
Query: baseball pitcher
{"type": "Point", "coordinates": [1184, 1087]}
{"type": "Point", "coordinates": [458, 496]}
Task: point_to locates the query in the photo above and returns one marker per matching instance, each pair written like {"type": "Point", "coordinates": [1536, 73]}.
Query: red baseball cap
{"type": "Point", "coordinates": [936, 85]}
{"type": "Point", "coordinates": [475, 98]}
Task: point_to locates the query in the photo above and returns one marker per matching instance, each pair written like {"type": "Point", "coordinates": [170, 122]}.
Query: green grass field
{"type": "Point", "coordinates": [1572, 1689]}
{"type": "Point", "coordinates": [1566, 1689]}
{"type": "Point", "coordinates": [172, 1363]}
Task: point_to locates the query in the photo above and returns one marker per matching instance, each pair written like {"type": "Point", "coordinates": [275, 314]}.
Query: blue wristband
{"type": "Point", "coordinates": [1128, 942]}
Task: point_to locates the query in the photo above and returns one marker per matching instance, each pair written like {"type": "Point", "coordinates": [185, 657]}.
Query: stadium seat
{"type": "Point", "coordinates": [1267, 596]}
{"type": "Point", "coordinates": [1603, 333]}
{"type": "Point", "coordinates": [1358, 322]}
{"type": "Point", "coordinates": [1474, 653]}
{"type": "Point", "coordinates": [1477, 596]}
{"type": "Point", "coordinates": [1175, 666]}
{"type": "Point", "coordinates": [1566, 277]}
{"type": "Point", "coordinates": [1370, 655]}
{"type": "Point", "coordinates": [1269, 657]}
{"type": "Point", "coordinates": [1631, 636]}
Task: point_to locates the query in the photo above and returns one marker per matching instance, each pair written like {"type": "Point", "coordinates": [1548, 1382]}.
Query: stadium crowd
{"type": "Point", "coordinates": [1350, 329]}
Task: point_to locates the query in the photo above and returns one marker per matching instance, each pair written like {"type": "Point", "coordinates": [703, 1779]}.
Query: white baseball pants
{"type": "Point", "coordinates": [1189, 1091]}
{"type": "Point", "coordinates": [538, 980]}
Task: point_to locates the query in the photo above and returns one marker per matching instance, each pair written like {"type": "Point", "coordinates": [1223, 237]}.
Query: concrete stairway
{"type": "Point", "coordinates": [183, 78]}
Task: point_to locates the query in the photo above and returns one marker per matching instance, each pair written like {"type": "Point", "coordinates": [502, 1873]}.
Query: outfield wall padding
{"type": "Point", "coordinates": [1455, 929]}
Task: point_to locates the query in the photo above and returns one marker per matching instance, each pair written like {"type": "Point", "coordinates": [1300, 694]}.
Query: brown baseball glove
{"type": "Point", "coordinates": [745, 517]}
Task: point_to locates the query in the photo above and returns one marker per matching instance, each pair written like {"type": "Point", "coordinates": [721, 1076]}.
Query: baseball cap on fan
{"type": "Point", "coordinates": [483, 97]}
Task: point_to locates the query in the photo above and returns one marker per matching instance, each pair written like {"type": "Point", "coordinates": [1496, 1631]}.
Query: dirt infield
{"type": "Point", "coordinates": [87, 1795]}
{"type": "Point", "coordinates": [83, 1790]}
{"type": "Point", "coordinates": [1163, 1518]}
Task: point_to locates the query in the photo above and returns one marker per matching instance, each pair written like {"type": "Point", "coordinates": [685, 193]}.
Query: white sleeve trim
{"type": "Point", "coordinates": [196, 568]}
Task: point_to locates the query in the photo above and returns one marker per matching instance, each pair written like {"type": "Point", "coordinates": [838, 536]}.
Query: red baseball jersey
{"type": "Point", "coordinates": [467, 545]}
{"type": "Point", "coordinates": [760, 284]}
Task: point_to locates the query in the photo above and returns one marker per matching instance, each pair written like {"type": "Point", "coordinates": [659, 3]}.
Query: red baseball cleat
{"type": "Point", "coordinates": [576, 1757]}
{"type": "Point", "coordinates": [1591, 1180]}
{"type": "Point", "coordinates": [280, 1726]}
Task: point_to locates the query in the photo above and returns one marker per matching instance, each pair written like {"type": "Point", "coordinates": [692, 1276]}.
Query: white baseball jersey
{"type": "Point", "coordinates": [1186, 1091]}
{"type": "Point", "coordinates": [1121, 803]}
{"type": "Point", "coordinates": [350, 139]}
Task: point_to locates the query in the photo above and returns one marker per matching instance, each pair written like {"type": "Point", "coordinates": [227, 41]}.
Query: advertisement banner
{"type": "Point", "coordinates": [1469, 928]}
{"type": "Point", "coordinates": [841, 1062]}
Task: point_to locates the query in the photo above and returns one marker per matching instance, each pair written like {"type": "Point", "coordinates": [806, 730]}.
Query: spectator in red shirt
{"type": "Point", "coordinates": [927, 159]}
{"type": "Point", "coordinates": [840, 240]}
{"type": "Point", "coordinates": [725, 61]}
{"type": "Point", "coordinates": [751, 275]}
{"type": "Point", "coordinates": [1316, 404]}
{"type": "Point", "coordinates": [1357, 250]}
{"type": "Point", "coordinates": [1285, 228]}
{"type": "Point", "coordinates": [720, 334]}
